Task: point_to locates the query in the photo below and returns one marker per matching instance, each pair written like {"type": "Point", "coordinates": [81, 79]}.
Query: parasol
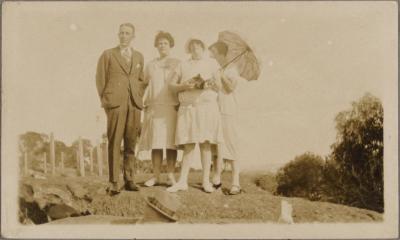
{"type": "Point", "coordinates": [241, 54]}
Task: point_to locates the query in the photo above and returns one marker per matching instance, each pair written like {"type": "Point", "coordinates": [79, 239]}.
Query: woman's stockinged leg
{"type": "Point", "coordinates": [235, 189]}
{"type": "Point", "coordinates": [235, 173]}
{"type": "Point", "coordinates": [186, 163]}
{"type": "Point", "coordinates": [171, 162]}
{"type": "Point", "coordinates": [156, 158]}
{"type": "Point", "coordinates": [214, 169]}
{"type": "Point", "coordinates": [182, 183]}
{"type": "Point", "coordinates": [206, 155]}
{"type": "Point", "coordinates": [217, 166]}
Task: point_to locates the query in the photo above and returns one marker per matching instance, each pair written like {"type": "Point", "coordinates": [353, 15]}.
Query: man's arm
{"type": "Point", "coordinates": [141, 74]}
{"type": "Point", "coordinates": [102, 73]}
{"type": "Point", "coordinates": [142, 77]}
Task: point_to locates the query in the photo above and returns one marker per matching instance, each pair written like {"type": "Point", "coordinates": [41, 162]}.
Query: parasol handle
{"type": "Point", "coordinates": [235, 58]}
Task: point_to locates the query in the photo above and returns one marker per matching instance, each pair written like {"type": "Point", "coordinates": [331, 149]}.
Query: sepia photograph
{"type": "Point", "coordinates": [189, 119]}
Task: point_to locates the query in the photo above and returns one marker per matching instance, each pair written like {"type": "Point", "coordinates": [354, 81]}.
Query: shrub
{"type": "Point", "coordinates": [267, 182]}
{"type": "Point", "coordinates": [301, 177]}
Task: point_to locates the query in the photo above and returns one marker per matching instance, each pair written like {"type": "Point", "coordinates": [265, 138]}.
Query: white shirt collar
{"type": "Point", "coordinates": [122, 49]}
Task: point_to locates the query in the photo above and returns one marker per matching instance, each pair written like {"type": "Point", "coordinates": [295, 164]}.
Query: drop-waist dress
{"type": "Point", "coordinates": [198, 118]}
{"type": "Point", "coordinates": [160, 114]}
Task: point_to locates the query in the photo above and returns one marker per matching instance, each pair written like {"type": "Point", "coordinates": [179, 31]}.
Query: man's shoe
{"type": "Point", "coordinates": [113, 189]}
{"type": "Point", "coordinates": [131, 186]}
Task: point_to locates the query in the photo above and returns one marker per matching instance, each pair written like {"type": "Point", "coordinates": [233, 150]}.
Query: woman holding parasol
{"type": "Point", "coordinates": [237, 62]}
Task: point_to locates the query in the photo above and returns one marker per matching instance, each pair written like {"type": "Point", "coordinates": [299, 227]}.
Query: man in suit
{"type": "Point", "coordinates": [120, 85]}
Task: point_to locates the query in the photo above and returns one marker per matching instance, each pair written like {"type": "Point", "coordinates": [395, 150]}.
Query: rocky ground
{"type": "Point", "coordinates": [44, 199]}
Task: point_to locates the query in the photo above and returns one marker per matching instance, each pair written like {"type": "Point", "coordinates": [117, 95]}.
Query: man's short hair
{"type": "Point", "coordinates": [221, 47]}
{"type": "Point", "coordinates": [164, 35]}
{"type": "Point", "coordinates": [128, 25]}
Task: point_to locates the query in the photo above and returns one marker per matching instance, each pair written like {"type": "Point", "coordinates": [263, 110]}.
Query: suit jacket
{"type": "Point", "coordinates": [116, 80]}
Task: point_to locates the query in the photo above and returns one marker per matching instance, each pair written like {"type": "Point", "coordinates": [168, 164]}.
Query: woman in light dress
{"type": "Point", "coordinates": [227, 78]}
{"type": "Point", "coordinates": [198, 115]}
{"type": "Point", "coordinates": [160, 115]}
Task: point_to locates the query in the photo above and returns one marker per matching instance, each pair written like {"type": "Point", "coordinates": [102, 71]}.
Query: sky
{"type": "Point", "coordinates": [317, 57]}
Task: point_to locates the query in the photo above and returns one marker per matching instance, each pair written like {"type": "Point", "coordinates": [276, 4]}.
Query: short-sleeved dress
{"type": "Point", "coordinates": [198, 115]}
{"type": "Point", "coordinates": [159, 122]}
{"type": "Point", "coordinates": [228, 108]}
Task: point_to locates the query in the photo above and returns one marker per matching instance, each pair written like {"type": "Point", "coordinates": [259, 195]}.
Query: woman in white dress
{"type": "Point", "coordinates": [198, 115]}
{"type": "Point", "coordinates": [158, 133]}
{"type": "Point", "coordinates": [227, 78]}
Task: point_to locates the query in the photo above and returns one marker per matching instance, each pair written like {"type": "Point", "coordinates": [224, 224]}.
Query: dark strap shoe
{"type": "Point", "coordinates": [217, 186]}
{"type": "Point", "coordinates": [131, 186]}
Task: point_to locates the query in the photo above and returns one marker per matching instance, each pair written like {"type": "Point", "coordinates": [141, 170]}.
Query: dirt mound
{"type": "Point", "coordinates": [87, 196]}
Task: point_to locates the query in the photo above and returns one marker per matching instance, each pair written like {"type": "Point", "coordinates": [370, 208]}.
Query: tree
{"type": "Point", "coordinates": [87, 147]}
{"type": "Point", "coordinates": [357, 154]}
{"type": "Point", "coordinates": [86, 144]}
{"type": "Point", "coordinates": [33, 144]}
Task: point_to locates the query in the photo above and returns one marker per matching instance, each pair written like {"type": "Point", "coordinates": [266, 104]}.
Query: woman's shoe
{"type": "Point", "coordinates": [208, 188]}
{"type": "Point", "coordinates": [151, 182]}
{"type": "Point", "coordinates": [217, 186]}
{"type": "Point", "coordinates": [171, 180]}
{"type": "Point", "coordinates": [235, 190]}
{"type": "Point", "coordinates": [177, 187]}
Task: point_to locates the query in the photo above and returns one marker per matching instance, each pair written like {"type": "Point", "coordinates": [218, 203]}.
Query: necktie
{"type": "Point", "coordinates": [126, 54]}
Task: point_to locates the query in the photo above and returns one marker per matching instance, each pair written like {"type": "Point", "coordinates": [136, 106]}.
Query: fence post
{"type": "Point", "coordinates": [105, 152]}
{"type": "Point", "coordinates": [91, 159]}
{"type": "Point", "coordinates": [45, 162]}
{"type": "Point", "coordinates": [62, 161]}
{"type": "Point", "coordinates": [99, 158]}
{"type": "Point", "coordinates": [52, 154]}
{"type": "Point", "coordinates": [77, 160]}
{"type": "Point", "coordinates": [81, 158]}
{"type": "Point", "coordinates": [26, 163]}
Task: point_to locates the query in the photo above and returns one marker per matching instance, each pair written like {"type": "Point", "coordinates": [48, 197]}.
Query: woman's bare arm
{"type": "Point", "coordinates": [177, 87]}
{"type": "Point", "coordinates": [229, 81]}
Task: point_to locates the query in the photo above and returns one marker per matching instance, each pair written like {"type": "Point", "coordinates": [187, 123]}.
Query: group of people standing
{"type": "Point", "coordinates": [186, 103]}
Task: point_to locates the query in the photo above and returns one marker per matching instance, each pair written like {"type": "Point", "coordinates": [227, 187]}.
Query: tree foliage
{"type": "Point", "coordinates": [357, 154]}
{"type": "Point", "coordinates": [353, 173]}
{"type": "Point", "coordinates": [36, 144]}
